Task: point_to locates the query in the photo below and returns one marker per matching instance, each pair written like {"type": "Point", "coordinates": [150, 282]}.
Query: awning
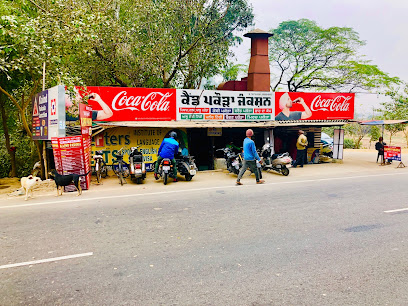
{"type": "Point", "coordinates": [188, 124]}
{"type": "Point", "coordinates": [381, 122]}
{"type": "Point", "coordinates": [312, 123]}
{"type": "Point", "coordinates": [222, 124]}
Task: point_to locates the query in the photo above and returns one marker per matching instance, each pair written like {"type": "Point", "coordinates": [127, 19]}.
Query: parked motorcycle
{"type": "Point", "coordinates": [137, 166]}
{"type": "Point", "coordinates": [186, 166]}
{"type": "Point", "coordinates": [232, 160]}
{"type": "Point", "coordinates": [276, 162]}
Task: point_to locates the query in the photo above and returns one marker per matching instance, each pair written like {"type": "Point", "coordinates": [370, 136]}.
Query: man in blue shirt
{"type": "Point", "coordinates": [250, 157]}
{"type": "Point", "coordinates": [168, 148]}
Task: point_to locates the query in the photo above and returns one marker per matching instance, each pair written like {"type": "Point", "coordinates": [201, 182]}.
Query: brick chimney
{"type": "Point", "coordinates": [259, 74]}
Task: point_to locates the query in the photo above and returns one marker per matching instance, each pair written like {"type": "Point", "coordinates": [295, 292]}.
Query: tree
{"type": "Point", "coordinates": [396, 109]}
{"type": "Point", "coordinates": [304, 56]}
{"type": "Point", "coordinates": [357, 131]}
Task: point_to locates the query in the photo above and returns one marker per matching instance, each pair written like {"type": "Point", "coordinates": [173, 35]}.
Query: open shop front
{"type": "Point", "coordinates": [285, 136]}
{"type": "Point", "coordinates": [195, 138]}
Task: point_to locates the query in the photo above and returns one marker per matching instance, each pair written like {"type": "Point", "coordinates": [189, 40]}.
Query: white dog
{"type": "Point", "coordinates": [28, 184]}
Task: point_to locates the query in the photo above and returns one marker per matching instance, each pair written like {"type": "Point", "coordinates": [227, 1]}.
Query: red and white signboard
{"type": "Point", "coordinates": [313, 106]}
{"type": "Point", "coordinates": [131, 104]}
{"type": "Point", "coordinates": [72, 155]}
{"type": "Point", "coordinates": [392, 153]}
{"type": "Point", "coordinates": [85, 116]}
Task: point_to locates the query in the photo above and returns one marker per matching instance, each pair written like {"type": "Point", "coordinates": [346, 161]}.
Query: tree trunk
{"type": "Point", "coordinates": [11, 151]}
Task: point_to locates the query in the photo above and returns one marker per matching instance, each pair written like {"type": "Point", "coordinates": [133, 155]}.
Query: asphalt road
{"type": "Point", "coordinates": [307, 242]}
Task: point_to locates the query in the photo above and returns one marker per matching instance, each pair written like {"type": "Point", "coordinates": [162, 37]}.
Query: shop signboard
{"type": "Point", "coordinates": [149, 140]}
{"type": "Point", "coordinates": [392, 153]}
{"type": "Point", "coordinates": [56, 112]}
{"type": "Point", "coordinates": [214, 131]}
{"type": "Point", "coordinates": [313, 106]}
{"type": "Point", "coordinates": [131, 104]}
{"type": "Point", "coordinates": [85, 115]}
{"type": "Point", "coordinates": [223, 105]}
{"type": "Point", "coordinates": [72, 155]}
{"type": "Point", "coordinates": [40, 116]}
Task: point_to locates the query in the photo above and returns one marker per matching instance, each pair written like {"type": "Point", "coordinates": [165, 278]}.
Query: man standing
{"type": "Point", "coordinates": [168, 148]}
{"type": "Point", "coordinates": [250, 157]}
{"type": "Point", "coordinates": [301, 145]}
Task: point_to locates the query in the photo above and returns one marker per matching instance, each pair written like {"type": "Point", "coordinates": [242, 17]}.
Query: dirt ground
{"type": "Point", "coordinates": [354, 161]}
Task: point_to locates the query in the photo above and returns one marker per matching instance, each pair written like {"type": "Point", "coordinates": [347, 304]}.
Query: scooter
{"type": "Point", "coordinates": [233, 161]}
{"type": "Point", "coordinates": [276, 162]}
{"type": "Point", "coordinates": [137, 166]}
{"type": "Point", "coordinates": [186, 166]}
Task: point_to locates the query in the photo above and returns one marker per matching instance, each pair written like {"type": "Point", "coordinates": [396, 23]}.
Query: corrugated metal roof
{"type": "Point", "coordinates": [312, 122]}
{"type": "Point", "coordinates": [100, 126]}
{"type": "Point", "coordinates": [188, 124]}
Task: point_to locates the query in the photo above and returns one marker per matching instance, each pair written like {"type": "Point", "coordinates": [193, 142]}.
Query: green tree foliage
{"type": "Point", "coordinates": [357, 132]}
{"type": "Point", "coordinates": [144, 43]}
{"type": "Point", "coordinates": [396, 109]}
{"type": "Point", "coordinates": [306, 57]}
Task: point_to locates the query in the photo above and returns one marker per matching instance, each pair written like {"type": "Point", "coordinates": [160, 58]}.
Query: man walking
{"type": "Point", "coordinates": [250, 157]}
{"type": "Point", "coordinates": [301, 145]}
{"type": "Point", "coordinates": [168, 148]}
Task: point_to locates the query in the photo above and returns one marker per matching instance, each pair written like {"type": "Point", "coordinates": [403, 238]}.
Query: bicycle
{"type": "Point", "coordinates": [100, 166]}
{"type": "Point", "coordinates": [120, 168]}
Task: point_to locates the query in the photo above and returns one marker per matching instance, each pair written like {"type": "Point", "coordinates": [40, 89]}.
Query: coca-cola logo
{"type": "Point", "coordinates": [154, 101]}
{"type": "Point", "coordinates": [339, 103]}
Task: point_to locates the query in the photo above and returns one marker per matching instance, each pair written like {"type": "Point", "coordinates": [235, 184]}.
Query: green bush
{"type": "Point", "coordinates": [349, 143]}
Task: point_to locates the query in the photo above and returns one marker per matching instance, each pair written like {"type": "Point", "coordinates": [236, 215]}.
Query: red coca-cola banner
{"type": "Point", "coordinates": [313, 106]}
{"type": "Point", "coordinates": [131, 104]}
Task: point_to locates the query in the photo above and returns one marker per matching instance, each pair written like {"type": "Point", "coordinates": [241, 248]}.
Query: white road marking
{"type": "Point", "coordinates": [395, 210]}
{"type": "Point", "coordinates": [197, 189]}
{"type": "Point", "coordinates": [28, 263]}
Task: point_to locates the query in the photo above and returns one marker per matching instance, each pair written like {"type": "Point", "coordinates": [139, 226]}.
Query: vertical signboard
{"type": "Point", "coordinates": [85, 116]}
{"type": "Point", "coordinates": [72, 155]}
{"type": "Point", "coordinates": [56, 111]}
{"type": "Point", "coordinates": [338, 141]}
{"type": "Point", "coordinates": [40, 116]}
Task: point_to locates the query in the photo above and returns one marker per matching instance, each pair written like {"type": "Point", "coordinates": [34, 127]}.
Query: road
{"type": "Point", "coordinates": [335, 241]}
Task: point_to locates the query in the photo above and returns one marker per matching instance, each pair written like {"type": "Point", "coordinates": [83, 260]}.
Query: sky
{"type": "Point", "coordinates": [382, 24]}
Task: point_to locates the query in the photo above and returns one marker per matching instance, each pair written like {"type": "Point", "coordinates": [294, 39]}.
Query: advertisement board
{"type": "Point", "coordinates": [131, 104]}
{"type": "Point", "coordinates": [392, 153]}
{"type": "Point", "coordinates": [85, 116]}
{"type": "Point", "coordinates": [313, 106]}
{"type": "Point", "coordinates": [56, 112]}
{"type": "Point", "coordinates": [40, 116]}
{"type": "Point", "coordinates": [224, 105]}
{"type": "Point", "coordinates": [72, 155]}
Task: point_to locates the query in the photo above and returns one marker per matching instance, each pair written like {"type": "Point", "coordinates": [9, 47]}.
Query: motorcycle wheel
{"type": "Point", "coordinates": [285, 171]}
{"type": "Point", "coordinates": [139, 180]}
{"type": "Point", "coordinates": [165, 177]}
{"type": "Point", "coordinates": [189, 177]}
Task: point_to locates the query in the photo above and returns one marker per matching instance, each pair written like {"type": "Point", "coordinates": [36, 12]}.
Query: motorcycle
{"type": "Point", "coordinates": [186, 166]}
{"type": "Point", "coordinates": [276, 162]}
{"type": "Point", "coordinates": [232, 160]}
{"type": "Point", "coordinates": [137, 166]}
{"type": "Point", "coordinates": [165, 170]}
